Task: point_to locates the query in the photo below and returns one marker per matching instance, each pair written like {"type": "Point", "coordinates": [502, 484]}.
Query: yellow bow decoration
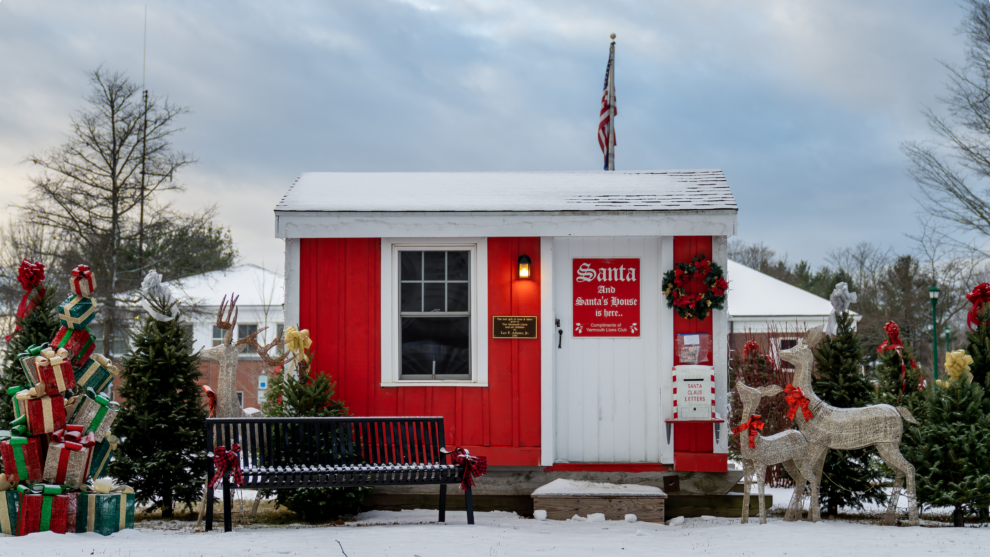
{"type": "Point", "coordinates": [51, 357]}
{"type": "Point", "coordinates": [956, 366]}
{"type": "Point", "coordinates": [5, 484]}
{"type": "Point", "coordinates": [113, 441]}
{"type": "Point", "coordinates": [38, 391]}
{"type": "Point", "coordinates": [107, 364]}
{"type": "Point", "coordinates": [298, 342]}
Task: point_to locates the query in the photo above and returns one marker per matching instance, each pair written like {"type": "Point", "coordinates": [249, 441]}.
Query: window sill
{"type": "Point", "coordinates": [452, 383]}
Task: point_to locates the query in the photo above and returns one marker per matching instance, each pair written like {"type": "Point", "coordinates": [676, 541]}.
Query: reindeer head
{"type": "Point", "coordinates": [751, 396]}
{"type": "Point", "coordinates": [800, 354]}
{"type": "Point", "coordinates": [227, 323]}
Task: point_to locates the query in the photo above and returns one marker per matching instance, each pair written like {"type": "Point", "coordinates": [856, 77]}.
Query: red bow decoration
{"type": "Point", "coordinates": [73, 439]}
{"type": "Point", "coordinates": [474, 466]}
{"type": "Point", "coordinates": [894, 343]}
{"type": "Point", "coordinates": [751, 347]}
{"type": "Point", "coordinates": [979, 297]}
{"type": "Point", "coordinates": [720, 286]}
{"type": "Point", "coordinates": [30, 276]}
{"type": "Point", "coordinates": [82, 281]}
{"type": "Point", "coordinates": [796, 399]}
{"type": "Point", "coordinates": [227, 462]}
{"type": "Point", "coordinates": [213, 399]}
{"type": "Point", "coordinates": [754, 424]}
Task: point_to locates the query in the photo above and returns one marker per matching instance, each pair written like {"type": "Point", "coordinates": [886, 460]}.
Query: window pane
{"type": "Point", "coordinates": [457, 296]}
{"type": "Point", "coordinates": [435, 264]}
{"type": "Point", "coordinates": [435, 345]}
{"type": "Point", "coordinates": [243, 331]}
{"type": "Point", "coordinates": [412, 265]}
{"type": "Point", "coordinates": [433, 297]}
{"type": "Point", "coordinates": [217, 335]}
{"type": "Point", "coordinates": [457, 265]}
{"type": "Point", "coordinates": [412, 296]}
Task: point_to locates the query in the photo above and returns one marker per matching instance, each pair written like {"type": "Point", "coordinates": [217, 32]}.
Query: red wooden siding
{"type": "Point", "coordinates": [339, 302]}
{"type": "Point", "coordinates": [685, 249]}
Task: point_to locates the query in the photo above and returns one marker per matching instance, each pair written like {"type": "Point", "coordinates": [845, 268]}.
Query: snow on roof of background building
{"type": "Point", "coordinates": [754, 294]}
{"type": "Point", "coordinates": [254, 285]}
{"type": "Point", "coordinates": [673, 190]}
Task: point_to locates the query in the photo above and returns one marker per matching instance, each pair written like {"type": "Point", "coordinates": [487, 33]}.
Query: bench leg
{"type": "Point", "coordinates": [470, 506]}
{"type": "Point", "coordinates": [209, 508]}
{"type": "Point", "coordinates": [227, 505]}
{"type": "Point", "coordinates": [443, 502]}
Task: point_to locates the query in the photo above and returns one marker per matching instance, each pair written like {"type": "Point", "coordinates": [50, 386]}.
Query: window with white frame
{"type": "Point", "coordinates": [784, 344]}
{"type": "Point", "coordinates": [434, 314]}
{"type": "Point", "coordinates": [243, 331]}
{"type": "Point", "coordinates": [217, 336]}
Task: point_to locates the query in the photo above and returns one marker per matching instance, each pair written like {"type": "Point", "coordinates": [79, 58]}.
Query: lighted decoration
{"type": "Point", "coordinates": [23, 457]}
{"type": "Point", "coordinates": [104, 509]}
{"type": "Point", "coordinates": [524, 263]}
{"type": "Point", "coordinates": [96, 413]}
{"type": "Point", "coordinates": [37, 412]}
{"type": "Point", "coordinates": [69, 454]}
{"type": "Point", "coordinates": [695, 306]}
{"type": "Point", "coordinates": [43, 508]}
{"type": "Point", "coordinates": [879, 426]}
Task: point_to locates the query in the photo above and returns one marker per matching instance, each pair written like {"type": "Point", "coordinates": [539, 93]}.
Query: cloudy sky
{"type": "Point", "coordinates": [802, 104]}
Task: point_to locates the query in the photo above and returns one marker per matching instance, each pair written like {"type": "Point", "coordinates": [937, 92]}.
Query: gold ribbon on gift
{"type": "Point", "coordinates": [55, 359]}
{"type": "Point", "coordinates": [298, 342]}
{"type": "Point", "coordinates": [6, 517]}
{"type": "Point", "coordinates": [106, 363]}
{"type": "Point", "coordinates": [38, 393]}
{"type": "Point", "coordinates": [5, 484]}
{"type": "Point", "coordinates": [76, 322]}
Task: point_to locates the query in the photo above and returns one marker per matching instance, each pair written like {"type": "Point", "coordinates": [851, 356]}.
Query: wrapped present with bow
{"type": "Point", "coordinates": [23, 457]}
{"type": "Point", "coordinates": [105, 509]}
{"type": "Point", "coordinates": [55, 371]}
{"type": "Point", "coordinates": [82, 282]}
{"type": "Point", "coordinates": [77, 312]}
{"type": "Point", "coordinates": [69, 455]}
{"type": "Point", "coordinates": [27, 359]}
{"type": "Point", "coordinates": [8, 506]}
{"type": "Point", "coordinates": [79, 343]}
{"type": "Point", "coordinates": [42, 508]}
{"type": "Point", "coordinates": [42, 413]}
{"type": "Point", "coordinates": [97, 373]}
{"type": "Point", "coordinates": [95, 413]}
{"type": "Point", "coordinates": [102, 454]}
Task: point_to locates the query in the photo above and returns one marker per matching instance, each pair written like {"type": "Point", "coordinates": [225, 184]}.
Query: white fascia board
{"type": "Point", "coordinates": [294, 224]}
{"type": "Point", "coordinates": [548, 332]}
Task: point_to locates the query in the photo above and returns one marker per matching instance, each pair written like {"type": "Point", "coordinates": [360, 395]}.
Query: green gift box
{"type": "Point", "coordinates": [105, 513]}
{"type": "Point", "coordinates": [27, 362]}
{"type": "Point", "coordinates": [96, 413]}
{"type": "Point", "coordinates": [8, 512]}
{"type": "Point", "coordinates": [76, 312]}
{"type": "Point", "coordinates": [102, 455]}
{"type": "Point", "coordinates": [96, 373]}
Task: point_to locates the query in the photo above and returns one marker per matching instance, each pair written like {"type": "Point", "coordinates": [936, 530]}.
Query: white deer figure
{"type": "Point", "coordinates": [789, 448]}
{"type": "Point", "coordinates": [880, 426]}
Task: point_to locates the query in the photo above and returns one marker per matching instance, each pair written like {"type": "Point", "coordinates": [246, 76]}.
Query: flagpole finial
{"type": "Point", "coordinates": [613, 36]}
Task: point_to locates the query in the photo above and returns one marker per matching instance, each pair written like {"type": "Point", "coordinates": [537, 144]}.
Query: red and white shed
{"type": "Point", "coordinates": [412, 287]}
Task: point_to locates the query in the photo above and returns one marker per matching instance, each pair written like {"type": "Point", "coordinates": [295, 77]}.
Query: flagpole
{"type": "Point", "coordinates": [611, 107]}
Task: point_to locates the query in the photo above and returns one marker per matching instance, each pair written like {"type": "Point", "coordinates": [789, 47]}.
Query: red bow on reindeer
{"type": "Point", "coordinates": [30, 276]}
{"type": "Point", "coordinates": [894, 343]}
{"type": "Point", "coordinates": [979, 297]}
{"type": "Point", "coordinates": [474, 466]}
{"type": "Point", "coordinates": [754, 424]}
{"type": "Point", "coordinates": [795, 399]}
{"type": "Point", "coordinates": [227, 462]}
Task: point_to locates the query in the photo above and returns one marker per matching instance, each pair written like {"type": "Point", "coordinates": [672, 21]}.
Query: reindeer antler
{"type": "Point", "coordinates": [252, 341]}
{"type": "Point", "coordinates": [231, 311]}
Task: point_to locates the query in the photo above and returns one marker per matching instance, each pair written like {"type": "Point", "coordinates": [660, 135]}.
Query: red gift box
{"type": "Point", "coordinates": [69, 456]}
{"type": "Point", "coordinates": [55, 371]}
{"type": "Point", "coordinates": [44, 414]}
{"type": "Point", "coordinates": [83, 283]}
{"type": "Point", "coordinates": [42, 508]}
{"type": "Point", "coordinates": [79, 343]}
{"type": "Point", "coordinates": [23, 457]}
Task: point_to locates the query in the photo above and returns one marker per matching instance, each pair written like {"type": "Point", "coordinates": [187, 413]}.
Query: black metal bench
{"type": "Point", "coordinates": [281, 453]}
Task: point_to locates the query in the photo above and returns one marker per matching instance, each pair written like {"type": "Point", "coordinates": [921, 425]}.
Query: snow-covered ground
{"type": "Point", "coordinates": [416, 533]}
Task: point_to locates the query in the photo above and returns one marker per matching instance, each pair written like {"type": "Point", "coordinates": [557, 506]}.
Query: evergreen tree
{"type": "Point", "coordinates": [897, 384]}
{"type": "Point", "coordinates": [38, 327]}
{"type": "Point", "coordinates": [848, 479]}
{"type": "Point", "coordinates": [979, 349]}
{"type": "Point", "coordinates": [950, 449]}
{"type": "Point", "coordinates": [161, 421]}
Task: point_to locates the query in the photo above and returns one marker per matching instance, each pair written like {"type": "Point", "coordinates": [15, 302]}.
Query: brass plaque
{"type": "Point", "coordinates": [514, 326]}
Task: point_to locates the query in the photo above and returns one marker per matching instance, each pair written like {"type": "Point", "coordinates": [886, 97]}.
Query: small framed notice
{"type": "Point", "coordinates": [514, 326]}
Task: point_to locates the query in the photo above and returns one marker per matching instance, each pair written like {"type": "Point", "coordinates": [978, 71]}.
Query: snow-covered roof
{"type": "Point", "coordinates": [254, 285]}
{"type": "Point", "coordinates": [670, 190]}
{"type": "Point", "coordinates": [758, 298]}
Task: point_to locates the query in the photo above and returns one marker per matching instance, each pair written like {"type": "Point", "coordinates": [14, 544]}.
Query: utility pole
{"type": "Point", "coordinates": [144, 147]}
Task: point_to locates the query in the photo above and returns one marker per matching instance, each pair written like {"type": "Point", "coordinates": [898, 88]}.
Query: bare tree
{"type": "Point", "coordinates": [91, 194]}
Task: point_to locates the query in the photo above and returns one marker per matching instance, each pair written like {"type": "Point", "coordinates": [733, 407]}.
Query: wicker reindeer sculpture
{"type": "Point", "coordinates": [225, 354]}
{"type": "Point", "coordinates": [789, 448]}
{"type": "Point", "coordinates": [879, 426]}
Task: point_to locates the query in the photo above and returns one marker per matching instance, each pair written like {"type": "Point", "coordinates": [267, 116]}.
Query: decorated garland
{"type": "Point", "coordinates": [695, 306]}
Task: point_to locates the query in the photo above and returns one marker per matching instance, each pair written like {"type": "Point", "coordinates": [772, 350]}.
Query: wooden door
{"type": "Point", "coordinates": [607, 389]}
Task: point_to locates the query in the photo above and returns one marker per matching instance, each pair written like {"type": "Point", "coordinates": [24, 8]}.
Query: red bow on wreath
{"type": "Point", "coordinates": [894, 343]}
{"type": "Point", "coordinates": [30, 276]}
{"type": "Point", "coordinates": [227, 462]}
{"type": "Point", "coordinates": [795, 399]}
{"type": "Point", "coordinates": [979, 297]}
{"type": "Point", "coordinates": [754, 424]}
{"type": "Point", "coordinates": [474, 466]}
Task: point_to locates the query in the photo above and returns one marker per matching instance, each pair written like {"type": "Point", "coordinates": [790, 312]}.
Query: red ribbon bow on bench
{"type": "Point", "coordinates": [474, 466]}
{"type": "Point", "coordinates": [226, 462]}
{"type": "Point", "coordinates": [795, 399]}
{"type": "Point", "coordinates": [753, 424]}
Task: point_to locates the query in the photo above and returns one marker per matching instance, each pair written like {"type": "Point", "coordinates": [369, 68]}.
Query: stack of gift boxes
{"type": "Point", "coordinates": [57, 443]}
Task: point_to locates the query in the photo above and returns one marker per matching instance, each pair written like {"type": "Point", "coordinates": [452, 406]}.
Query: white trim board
{"type": "Point", "coordinates": [479, 311]}
{"type": "Point", "coordinates": [548, 346]}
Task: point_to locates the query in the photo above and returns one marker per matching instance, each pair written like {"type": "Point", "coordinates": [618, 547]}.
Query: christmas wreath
{"type": "Point", "coordinates": [695, 306]}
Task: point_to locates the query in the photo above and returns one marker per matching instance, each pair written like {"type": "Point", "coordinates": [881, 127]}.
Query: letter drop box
{"type": "Point", "coordinates": [694, 393]}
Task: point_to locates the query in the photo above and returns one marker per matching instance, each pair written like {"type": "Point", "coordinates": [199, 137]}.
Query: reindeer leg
{"type": "Point", "coordinates": [747, 469]}
{"type": "Point", "coordinates": [891, 454]}
{"type": "Point", "coordinates": [761, 481]}
{"type": "Point", "coordinates": [816, 454]}
{"type": "Point", "coordinates": [798, 496]}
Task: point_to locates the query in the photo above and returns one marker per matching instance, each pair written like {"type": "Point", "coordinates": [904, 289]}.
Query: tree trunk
{"type": "Point", "coordinates": [833, 509]}
{"type": "Point", "coordinates": [957, 517]}
{"type": "Point", "coordinates": [167, 504]}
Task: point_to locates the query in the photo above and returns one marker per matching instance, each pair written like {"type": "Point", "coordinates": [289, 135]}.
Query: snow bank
{"type": "Point", "coordinates": [573, 488]}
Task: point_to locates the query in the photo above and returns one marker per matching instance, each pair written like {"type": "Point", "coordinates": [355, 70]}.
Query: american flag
{"type": "Point", "coordinates": [605, 128]}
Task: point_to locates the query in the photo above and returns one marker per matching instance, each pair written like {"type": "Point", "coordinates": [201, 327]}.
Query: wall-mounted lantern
{"type": "Point", "coordinates": [524, 263]}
